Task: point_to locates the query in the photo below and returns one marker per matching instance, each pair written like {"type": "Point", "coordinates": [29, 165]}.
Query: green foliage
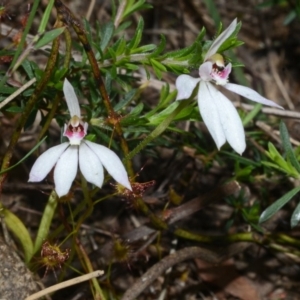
{"type": "Point", "coordinates": [145, 126]}
{"type": "Point", "coordinates": [288, 165]}
{"type": "Point", "coordinates": [277, 205]}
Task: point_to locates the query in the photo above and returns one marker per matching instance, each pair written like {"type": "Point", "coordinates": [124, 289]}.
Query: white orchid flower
{"type": "Point", "coordinates": [217, 111]}
{"type": "Point", "coordinates": [65, 157]}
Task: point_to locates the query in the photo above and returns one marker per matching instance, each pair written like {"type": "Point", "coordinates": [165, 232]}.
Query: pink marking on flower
{"type": "Point", "coordinates": [75, 130]}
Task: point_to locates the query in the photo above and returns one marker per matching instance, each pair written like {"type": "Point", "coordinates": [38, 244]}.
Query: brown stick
{"type": "Point", "coordinates": [187, 253]}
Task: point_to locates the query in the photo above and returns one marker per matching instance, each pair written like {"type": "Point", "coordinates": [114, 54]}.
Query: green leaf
{"type": "Point", "coordinates": [49, 37]}
{"type": "Point", "coordinates": [288, 146]}
{"type": "Point", "coordinates": [132, 67]}
{"type": "Point", "coordinates": [131, 7]}
{"type": "Point", "coordinates": [107, 31]}
{"type": "Point", "coordinates": [290, 17]}
{"type": "Point", "coordinates": [121, 45]}
{"type": "Point", "coordinates": [161, 47]}
{"type": "Point", "coordinates": [45, 222]}
{"type": "Point", "coordinates": [276, 206]}
{"type": "Point", "coordinates": [242, 159]}
{"type": "Point", "coordinates": [112, 54]}
{"type": "Point", "coordinates": [20, 231]}
{"type": "Point", "coordinates": [157, 67]}
{"type": "Point", "coordinates": [7, 90]}
{"type": "Point", "coordinates": [165, 98]}
{"type": "Point", "coordinates": [128, 97]}
{"type": "Point", "coordinates": [143, 49]}
{"type": "Point", "coordinates": [252, 114]}
{"type": "Point", "coordinates": [27, 68]}
{"type": "Point", "coordinates": [15, 109]}
{"type": "Point", "coordinates": [27, 155]}
{"type": "Point", "coordinates": [158, 118]}
{"type": "Point", "coordinates": [286, 166]}
{"type": "Point", "coordinates": [295, 216]}
{"type": "Point", "coordinates": [46, 16]}
{"type": "Point", "coordinates": [137, 36]}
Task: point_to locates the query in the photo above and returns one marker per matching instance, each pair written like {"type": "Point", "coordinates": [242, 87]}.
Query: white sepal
{"type": "Point", "coordinates": [71, 98]}
{"type": "Point", "coordinates": [46, 162]}
{"type": "Point", "coordinates": [250, 94]}
{"type": "Point", "coordinates": [230, 121]}
{"type": "Point", "coordinates": [220, 40]}
{"type": "Point", "coordinates": [66, 170]}
{"type": "Point", "coordinates": [185, 85]}
{"type": "Point", "coordinates": [111, 163]}
{"type": "Point", "coordinates": [208, 106]}
{"type": "Point", "coordinates": [90, 165]}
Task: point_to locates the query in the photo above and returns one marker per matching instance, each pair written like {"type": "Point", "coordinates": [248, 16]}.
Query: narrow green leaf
{"type": "Point", "coordinates": [288, 146]}
{"type": "Point", "coordinates": [290, 17]}
{"type": "Point", "coordinates": [7, 90]}
{"type": "Point", "coordinates": [127, 98]}
{"type": "Point", "coordinates": [276, 206]}
{"type": "Point", "coordinates": [158, 130]}
{"type": "Point", "coordinates": [137, 36]}
{"type": "Point", "coordinates": [46, 17]}
{"type": "Point", "coordinates": [121, 47]}
{"type": "Point", "coordinates": [45, 221]}
{"type": "Point", "coordinates": [112, 54]}
{"type": "Point", "coordinates": [143, 49]}
{"type": "Point", "coordinates": [49, 37]}
{"type": "Point", "coordinates": [295, 216]}
{"type": "Point", "coordinates": [131, 7]}
{"type": "Point", "coordinates": [161, 47]}
{"type": "Point", "coordinates": [252, 114]}
{"type": "Point", "coordinates": [28, 68]}
{"type": "Point", "coordinates": [107, 31]}
{"type": "Point", "coordinates": [20, 231]}
{"type": "Point", "coordinates": [15, 109]}
{"type": "Point", "coordinates": [28, 154]}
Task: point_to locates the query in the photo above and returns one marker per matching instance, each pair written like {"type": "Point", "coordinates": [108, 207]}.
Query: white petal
{"type": "Point", "coordinates": [207, 101]}
{"type": "Point", "coordinates": [230, 120]}
{"type": "Point", "coordinates": [205, 71]}
{"type": "Point", "coordinates": [66, 170]}
{"type": "Point", "coordinates": [46, 162]}
{"type": "Point", "coordinates": [90, 165]}
{"type": "Point", "coordinates": [250, 94]}
{"type": "Point", "coordinates": [220, 40]}
{"type": "Point", "coordinates": [71, 98]}
{"type": "Point", "coordinates": [111, 163]}
{"type": "Point", "coordinates": [185, 85]}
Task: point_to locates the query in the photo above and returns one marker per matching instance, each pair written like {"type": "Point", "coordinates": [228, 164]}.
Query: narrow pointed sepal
{"type": "Point", "coordinates": [71, 99]}
{"type": "Point", "coordinates": [221, 39]}
{"type": "Point", "coordinates": [209, 112]}
{"type": "Point", "coordinates": [46, 162]}
{"type": "Point", "coordinates": [111, 163]}
{"type": "Point", "coordinates": [221, 118]}
{"type": "Point", "coordinates": [90, 165]}
{"type": "Point", "coordinates": [66, 170]}
{"type": "Point", "coordinates": [250, 94]}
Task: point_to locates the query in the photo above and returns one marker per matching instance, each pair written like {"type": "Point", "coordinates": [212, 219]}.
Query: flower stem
{"type": "Point", "coordinates": [68, 18]}
{"type": "Point", "coordinates": [84, 258]}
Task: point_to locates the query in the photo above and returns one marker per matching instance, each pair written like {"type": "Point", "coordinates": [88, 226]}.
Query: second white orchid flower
{"type": "Point", "coordinates": [65, 157]}
{"type": "Point", "coordinates": [217, 111]}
